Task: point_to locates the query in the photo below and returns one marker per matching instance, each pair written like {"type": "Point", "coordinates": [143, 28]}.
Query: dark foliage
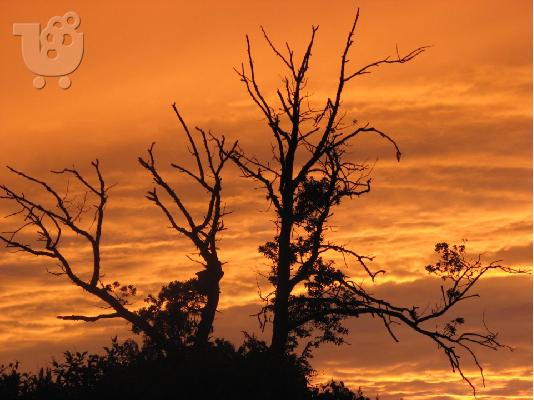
{"type": "Point", "coordinates": [219, 371]}
{"type": "Point", "coordinates": [174, 313]}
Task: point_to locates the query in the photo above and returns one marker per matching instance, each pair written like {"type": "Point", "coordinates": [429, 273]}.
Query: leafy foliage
{"type": "Point", "coordinates": [218, 372]}
{"type": "Point", "coordinates": [175, 312]}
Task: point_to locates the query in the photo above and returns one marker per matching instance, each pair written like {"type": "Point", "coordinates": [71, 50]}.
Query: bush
{"type": "Point", "coordinates": [219, 371]}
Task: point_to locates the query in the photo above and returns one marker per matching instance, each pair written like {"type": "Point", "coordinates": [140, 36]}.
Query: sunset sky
{"type": "Point", "coordinates": [461, 114]}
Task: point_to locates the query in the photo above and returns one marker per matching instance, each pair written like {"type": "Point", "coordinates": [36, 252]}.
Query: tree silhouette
{"type": "Point", "coordinates": [203, 233]}
{"type": "Point", "coordinates": [52, 224]}
{"type": "Point", "coordinates": [310, 175]}
{"type": "Point", "coordinates": [183, 312]}
{"type": "Point", "coordinates": [125, 369]}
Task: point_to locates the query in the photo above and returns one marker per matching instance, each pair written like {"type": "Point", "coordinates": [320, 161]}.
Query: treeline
{"type": "Point", "coordinates": [219, 371]}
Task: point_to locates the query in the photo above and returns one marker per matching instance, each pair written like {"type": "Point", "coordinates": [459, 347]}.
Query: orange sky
{"type": "Point", "coordinates": [461, 113]}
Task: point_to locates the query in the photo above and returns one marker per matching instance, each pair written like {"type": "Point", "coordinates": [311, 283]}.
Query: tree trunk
{"type": "Point", "coordinates": [281, 303]}
{"type": "Point", "coordinates": [209, 285]}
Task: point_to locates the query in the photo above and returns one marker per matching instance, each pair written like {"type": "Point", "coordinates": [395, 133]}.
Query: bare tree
{"type": "Point", "coordinates": [50, 225]}
{"type": "Point", "coordinates": [308, 176]}
{"type": "Point", "coordinates": [203, 232]}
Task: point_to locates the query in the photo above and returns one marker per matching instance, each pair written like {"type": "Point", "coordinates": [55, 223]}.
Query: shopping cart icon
{"type": "Point", "coordinates": [57, 50]}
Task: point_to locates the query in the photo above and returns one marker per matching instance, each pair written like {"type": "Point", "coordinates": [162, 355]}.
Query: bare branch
{"type": "Point", "coordinates": [88, 319]}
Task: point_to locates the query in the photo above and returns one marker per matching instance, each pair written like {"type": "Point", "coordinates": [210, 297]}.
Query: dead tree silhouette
{"type": "Point", "coordinates": [203, 233]}
{"type": "Point", "coordinates": [51, 223]}
{"type": "Point", "coordinates": [310, 175]}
